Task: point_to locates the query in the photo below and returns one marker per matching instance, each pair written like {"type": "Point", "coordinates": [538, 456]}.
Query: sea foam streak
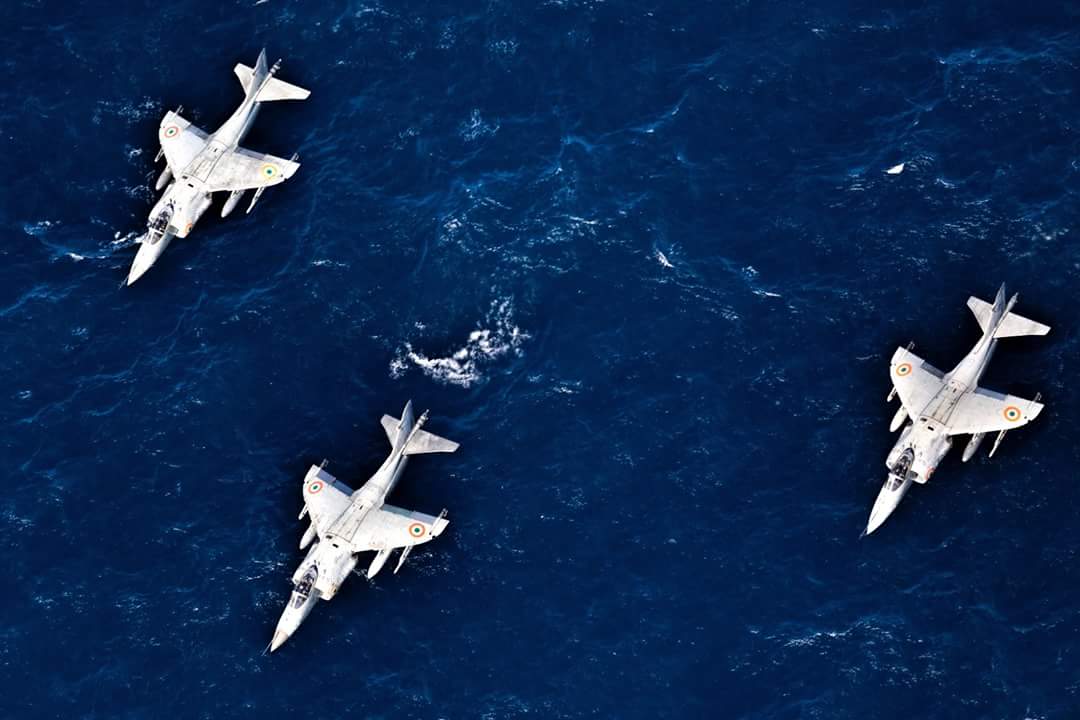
{"type": "Point", "coordinates": [496, 337]}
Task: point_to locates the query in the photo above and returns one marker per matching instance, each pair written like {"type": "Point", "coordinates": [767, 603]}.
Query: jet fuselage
{"type": "Point", "coordinates": [188, 194]}
{"type": "Point", "coordinates": [331, 559]}
{"type": "Point", "coordinates": [924, 435]}
{"type": "Point", "coordinates": [939, 406]}
{"type": "Point", "coordinates": [186, 198]}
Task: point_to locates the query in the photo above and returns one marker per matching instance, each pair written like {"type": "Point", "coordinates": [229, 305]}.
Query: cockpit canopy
{"type": "Point", "coordinates": [160, 222]}
{"type": "Point", "coordinates": [898, 472]}
{"type": "Point", "coordinates": [303, 588]}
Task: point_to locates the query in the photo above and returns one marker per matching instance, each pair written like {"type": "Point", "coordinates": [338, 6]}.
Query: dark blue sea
{"type": "Point", "coordinates": [643, 260]}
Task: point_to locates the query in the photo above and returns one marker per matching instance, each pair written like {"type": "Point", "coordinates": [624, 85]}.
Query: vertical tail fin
{"type": "Point", "coordinates": [988, 314]}
{"type": "Point", "coordinates": [261, 68]}
{"type": "Point", "coordinates": [252, 78]}
{"type": "Point", "coordinates": [397, 430]}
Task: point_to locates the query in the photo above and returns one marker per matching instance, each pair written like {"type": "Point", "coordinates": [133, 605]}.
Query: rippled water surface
{"type": "Point", "coordinates": [642, 260]}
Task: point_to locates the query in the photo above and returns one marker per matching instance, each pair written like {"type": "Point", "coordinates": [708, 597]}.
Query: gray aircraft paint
{"type": "Point", "coordinates": [943, 405]}
{"type": "Point", "coordinates": [199, 165]}
{"type": "Point", "coordinates": [345, 522]}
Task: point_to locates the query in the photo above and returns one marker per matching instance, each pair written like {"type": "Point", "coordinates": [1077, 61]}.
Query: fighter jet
{"type": "Point", "coordinates": [943, 405]}
{"type": "Point", "coordinates": [199, 165]}
{"type": "Point", "coordinates": [345, 522]}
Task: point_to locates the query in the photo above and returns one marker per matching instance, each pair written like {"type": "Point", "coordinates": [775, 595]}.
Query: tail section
{"type": "Point", "coordinates": [408, 430]}
{"type": "Point", "coordinates": [275, 89]}
{"type": "Point", "coordinates": [423, 442]}
{"type": "Point", "coordinates": [1013, 325]}
{"type": "Point", "coordinates": [261, 79]}
{"type": "Point", "coordinates": [998, 320]}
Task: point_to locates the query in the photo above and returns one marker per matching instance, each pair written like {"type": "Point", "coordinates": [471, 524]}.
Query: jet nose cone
{"type": "Point", "coordinates": [877, 519]}
{"type": "Point", "coordinates": [135, 274]}
{"type": "Point", "coordinates": [278, 641]}
{"type": "Point", "coordinates": [886, 502]}
{"type": "Point", "coordinates": [144, 260]}
{"type": "Point", "coordinates": [148, 254]}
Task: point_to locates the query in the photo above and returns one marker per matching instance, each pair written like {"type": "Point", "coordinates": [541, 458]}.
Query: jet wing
{"type": "Point", "coordinates": [244, 170]}
{"type": "Point", "coordinates": [180, 140]}
{"type": "Point", "coordinates": [326, 498]}
{"type": "Point", "coordinates": [916, 381]}
{"type": "Point", "coordinates": [984, 411]}
{"type": "Point", "coordinates": [392, 527]}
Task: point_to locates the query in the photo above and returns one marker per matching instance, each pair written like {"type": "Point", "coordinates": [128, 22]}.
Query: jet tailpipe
{"type": "Point", "coordinates": [898, 419]}
{"type": "Point", "coordinates": [163, 178]}
{"type": "Point", "coordinates": [973, 445]}
{"type": "Point", "coordinates": [231, 202]}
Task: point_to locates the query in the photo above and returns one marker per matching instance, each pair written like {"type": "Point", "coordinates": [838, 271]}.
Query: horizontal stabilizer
{"type": "Point", "coordinates": [1014, 325]}
{"type": "Point", "coordinates": [244, 73]}
{"type": "Point", "coordinates": [424, 442]}
{"type": "Point", "coordinates": [982, 311]}
{"type": "Point", "coordinates": [392, 426]}
{"type": "Point", "coordinates": [275, 89]}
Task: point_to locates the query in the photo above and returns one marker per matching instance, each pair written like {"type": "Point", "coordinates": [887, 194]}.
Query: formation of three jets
{"type": "Point", "coordinates": [938, 406]}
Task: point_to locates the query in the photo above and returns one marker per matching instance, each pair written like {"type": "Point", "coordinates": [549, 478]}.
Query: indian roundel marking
{"type": "Point", "coordinates": [269, 170]}
{"type": "Point", "coordinates": [416, 529]}
{"type": "Point", "coordinates": [171, 131]}
{"type": "Point", "coordinates": [1012, 413]}
{"type": "Point", "coordinates": [314, 487]}
{"type": "Point", "coordinates": [903, 369]}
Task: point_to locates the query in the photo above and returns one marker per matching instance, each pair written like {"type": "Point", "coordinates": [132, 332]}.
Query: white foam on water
{"type": "Point", "coordinates": [122, 239]}
{"type": "Point", "coordinates": [498, 336]}
{"type": "Point", "coordinates": [39, 228]}
{"type": "Point", "coordinates": [475, 127]}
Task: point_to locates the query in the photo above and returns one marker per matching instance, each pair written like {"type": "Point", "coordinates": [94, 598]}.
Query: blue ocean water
{"type": "Point", "coordinates": [641, 259]}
